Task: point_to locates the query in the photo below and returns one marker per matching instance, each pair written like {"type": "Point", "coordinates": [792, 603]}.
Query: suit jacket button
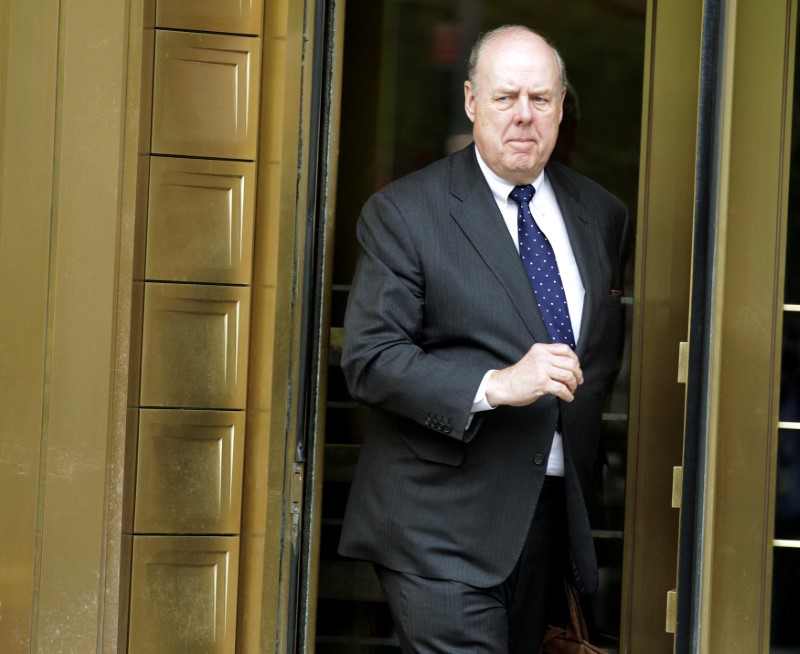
{"type": "Point", "coordinates": [539, 459]}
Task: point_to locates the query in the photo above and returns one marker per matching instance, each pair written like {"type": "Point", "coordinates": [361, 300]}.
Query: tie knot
{"type": "Point", "coordinates": [522, 194]}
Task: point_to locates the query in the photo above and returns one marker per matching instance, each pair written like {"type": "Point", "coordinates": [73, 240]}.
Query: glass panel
{"type": "Point", "coordinates": [402, 108]}
{"type": "Point", "coordinates": [787, 491]}
{"type": "Point", "coordinates": [792, 276]}
{"type": "Point", "coordinates": [790, 359]}
{"type": "Point", "coordinates": [785, 638]}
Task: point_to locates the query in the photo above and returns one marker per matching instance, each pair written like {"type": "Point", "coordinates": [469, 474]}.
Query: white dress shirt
{"type": "Point", "coordinates": [547, 215]}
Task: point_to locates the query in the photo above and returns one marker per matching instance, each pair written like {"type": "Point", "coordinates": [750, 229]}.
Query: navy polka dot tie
{"type": "Point", "coordinates": [540, 264]}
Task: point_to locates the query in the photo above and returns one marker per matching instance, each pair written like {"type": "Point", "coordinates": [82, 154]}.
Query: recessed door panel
{"type": "Point", "coordinates": [204, 96]}
{"type": "Point", "coordinates": [200, 220]}
{"type": "Point", "coordinates": [194, 350]}
{"type": "Point", "coordinates": [183, 594]}
{"type": "Point", "coordinates": [189, 472]}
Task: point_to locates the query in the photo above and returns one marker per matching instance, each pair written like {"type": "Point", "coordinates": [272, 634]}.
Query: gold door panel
{"type": "Point", "coordinates": [183, 594]}
{"type": "Point", "coordinates": [194, 346]}
{"type": "Point", "coordinates": [234, 16]}
{"type": "Point", "coordinates": [205, 102]}
{"type": "Point", "coordinates": [189, 472]}
{"type": "Point", "coordinates": [200, 220]}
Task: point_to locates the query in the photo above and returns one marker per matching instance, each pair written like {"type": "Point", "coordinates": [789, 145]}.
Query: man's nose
{"type": "Point", "coordinates": [523, 110]}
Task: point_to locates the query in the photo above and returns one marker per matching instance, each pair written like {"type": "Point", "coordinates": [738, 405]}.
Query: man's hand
{"type": "Point", "coordinates": [545, 369]}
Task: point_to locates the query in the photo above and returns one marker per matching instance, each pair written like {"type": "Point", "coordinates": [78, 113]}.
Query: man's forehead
{"type": "Point", "coordinates": [539, 74]}
{"type": "Point", "coordinates": [521, 54]}
{"type": "Point", "coordinates": [533, 86]}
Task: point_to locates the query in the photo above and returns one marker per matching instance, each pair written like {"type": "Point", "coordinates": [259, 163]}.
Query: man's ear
{"type": "Point", "coordinates": [469, 101]}
{"type": "Point", "coordinates": [561, 104]}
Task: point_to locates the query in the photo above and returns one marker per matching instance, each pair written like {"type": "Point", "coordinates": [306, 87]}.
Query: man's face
{"type": "Point", "coordinates": [517, 105]}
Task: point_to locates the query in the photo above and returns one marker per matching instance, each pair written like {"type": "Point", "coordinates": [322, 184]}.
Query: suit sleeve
{"type": "Point", "coordinates": [385, 359]}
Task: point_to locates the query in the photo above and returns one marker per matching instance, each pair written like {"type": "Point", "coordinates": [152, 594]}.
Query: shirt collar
{"type": "Point", "coordinates": [501, 188]}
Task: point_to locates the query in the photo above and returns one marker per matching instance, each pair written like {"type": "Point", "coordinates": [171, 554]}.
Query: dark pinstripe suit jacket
{"type": "Point", "coordinates": [439, 298]}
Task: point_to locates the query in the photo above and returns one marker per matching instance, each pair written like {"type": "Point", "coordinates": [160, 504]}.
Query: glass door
{"type": "Point", "coordinates": [402, 108]}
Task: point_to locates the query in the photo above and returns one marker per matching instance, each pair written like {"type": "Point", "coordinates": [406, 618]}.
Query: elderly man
{"type": "Point", "coordinates": [481, 331]}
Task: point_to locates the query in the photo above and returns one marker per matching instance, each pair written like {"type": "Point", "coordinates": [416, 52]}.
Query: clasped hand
{"type": "Point", "coordinates": [547, 368]}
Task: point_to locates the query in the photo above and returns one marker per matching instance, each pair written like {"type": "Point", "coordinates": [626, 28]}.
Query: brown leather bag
{"type": "Point", "coordinates": [575, 638]}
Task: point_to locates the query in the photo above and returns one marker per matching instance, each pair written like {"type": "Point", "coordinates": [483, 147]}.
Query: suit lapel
{"type": "Point", "coordinates": [583, 242]}
{"type": "Point", "coordinates": [474, 209]}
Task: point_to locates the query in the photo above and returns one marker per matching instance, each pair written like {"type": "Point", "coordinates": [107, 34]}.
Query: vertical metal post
{"type": "Point", "coordinates": [690, 546]}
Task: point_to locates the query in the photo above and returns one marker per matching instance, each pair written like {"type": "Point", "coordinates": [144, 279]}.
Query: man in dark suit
{"type": "Point", "coordinates": [484, 370]}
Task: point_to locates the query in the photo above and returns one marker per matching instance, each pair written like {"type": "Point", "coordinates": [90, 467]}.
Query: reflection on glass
{"type": "Point", "coordinates": [403, 108]}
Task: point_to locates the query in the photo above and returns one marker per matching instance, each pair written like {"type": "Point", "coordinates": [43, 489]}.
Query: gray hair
{"type": "Point", "coordinates": [483, 40]}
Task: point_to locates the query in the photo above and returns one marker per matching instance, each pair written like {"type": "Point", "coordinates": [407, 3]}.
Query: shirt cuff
{"type": "Point", "coordinates": [480, 403]}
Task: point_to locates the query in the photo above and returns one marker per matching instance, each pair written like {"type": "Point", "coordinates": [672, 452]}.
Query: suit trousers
{"type": "Point", "coordinates": [434, 616]}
